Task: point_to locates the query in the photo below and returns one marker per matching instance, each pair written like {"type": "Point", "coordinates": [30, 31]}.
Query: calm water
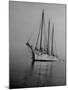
{"type": "Point", "coordinates": [24, 74]}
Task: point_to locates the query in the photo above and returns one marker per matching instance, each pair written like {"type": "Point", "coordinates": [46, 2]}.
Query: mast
{"type": "Point", "coordinates": [41, 30]}
{"type": "Point", "coordinates": [45, 36]}
{"type": "Point", "coordinates": [48, 37]}
{"type": "Point", "coordinates": [37, 41]}
{"type": "Point", "coordinates": [52, 53]}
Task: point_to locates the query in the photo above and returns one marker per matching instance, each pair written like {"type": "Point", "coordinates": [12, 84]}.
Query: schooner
{"type": "Point", "coordinates": [44, 48]}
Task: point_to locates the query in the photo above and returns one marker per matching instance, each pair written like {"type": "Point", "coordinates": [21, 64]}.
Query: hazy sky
{"type": "Point", "coordinates": [25, 18]}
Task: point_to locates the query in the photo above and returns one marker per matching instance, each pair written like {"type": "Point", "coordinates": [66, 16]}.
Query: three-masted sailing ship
{"type": "Point", "coordinates": [44, 48]}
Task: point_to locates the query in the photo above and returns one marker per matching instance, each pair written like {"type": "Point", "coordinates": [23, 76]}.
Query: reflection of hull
{"type": "Point", "coordinates": [45, 57]}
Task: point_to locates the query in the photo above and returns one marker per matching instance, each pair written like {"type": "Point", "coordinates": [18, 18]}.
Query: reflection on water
{"type": "Point", "coordinates": [40, 74]}
{"type": "Point", "coordinates": [37, 74]}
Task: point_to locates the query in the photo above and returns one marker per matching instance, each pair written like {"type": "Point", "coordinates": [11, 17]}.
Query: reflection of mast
{"type": "Point", "coordinates": [48, 37]}
{"type": "Point", "coordinates": [52, 53]}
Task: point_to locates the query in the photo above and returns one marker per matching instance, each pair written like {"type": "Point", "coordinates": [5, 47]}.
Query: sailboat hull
{"type": "Point", "coordinates": [45, 57]}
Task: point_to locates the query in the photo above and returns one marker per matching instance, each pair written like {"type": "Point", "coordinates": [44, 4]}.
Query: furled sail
{"type": "Point", "coordinates": [41, 36]}
{"type": "Point", "coordinates": [48, 52]}
{"type": "Point", "coordinates": [52, 51]}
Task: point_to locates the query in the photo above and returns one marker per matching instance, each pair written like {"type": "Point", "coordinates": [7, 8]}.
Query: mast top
{"type": "Point", "coordinates": [49, 20]}
{"type": "Point", "coordinates": [43, 12]}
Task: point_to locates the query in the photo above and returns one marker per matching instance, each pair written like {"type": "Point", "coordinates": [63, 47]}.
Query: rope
{"type": "Point", "coordinates": [27, 54]}
{"type": "Point", "coordinates": [38, 36]}
{"type": "Point", "coordinates": [55, 46]}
